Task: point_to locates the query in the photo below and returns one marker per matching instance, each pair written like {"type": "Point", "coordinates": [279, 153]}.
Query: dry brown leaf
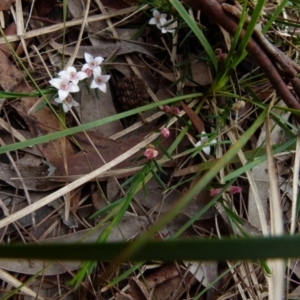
{"type": "Point", "coordinates": [35, 177]}
{"type": "Point", "coordinates": [261, 178]}
{"type": "Point", "coordinates": [77, 164]}
{"type": "Point", "coordinates": [153, 201]}
{"type": "Point", "coordinates": [128, 228]}
{"type": "Point", "coordinates": [199, 125]}
{"type": "Point", "coordinates": [112, 190]}
{"type": "Point", "coordinates": [7, 138]}
{"type": "Point", "coordinates": [42, 122]}
{"type": "Point", "coordinates": [60, 206]}
{"type": "Point", "coordinates": [5, 4]}
{"type": "Point", "coordinates": [10, 76]}
{"type": "Point", "coordinates": [165, 283]}
{"type": "Point", "coordinates": [200, 75]}
{"type": "Point", "coordinates": [43, 7]}
{"type": "Point", "coordinates": [95, 107]}
{"type": "Point", "coordinates": [9, 30]}
{"type": "Point", "coordinates": [104, 49]}
{"type": "Point", "coordinates": [14, 203]}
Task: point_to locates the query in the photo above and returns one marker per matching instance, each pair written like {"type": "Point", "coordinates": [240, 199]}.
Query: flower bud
{"type": "Point", "coordinates": [150, 152]}
{"type": "Point", "coordinates": [165, 132]}
{"type": "Point", "coordinates": [175, 111]}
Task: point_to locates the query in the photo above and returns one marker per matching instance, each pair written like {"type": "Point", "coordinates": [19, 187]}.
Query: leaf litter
{"type": "Point", "coordinates": [132, 47]}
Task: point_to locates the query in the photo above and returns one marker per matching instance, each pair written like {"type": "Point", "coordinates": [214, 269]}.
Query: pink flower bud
{"type": "Point", "coordinates": [214, 192]}
{"type": "Point", "coordinates": [167, 109]}
{"type": "Point", "coordinates": [234, 189]}
{"type": "Point", "coordinates": [218, 51]}
{"type": "Point", "coordinates": [231, 190]}
{"type": "Point", "coordinates": [150, 152]}
{"type": "Point", "coordinates": [221, 57]}
{"type": "Point", "coordinates": [175, 111]}
{"type": "Point", "coordinates": [165, 132]}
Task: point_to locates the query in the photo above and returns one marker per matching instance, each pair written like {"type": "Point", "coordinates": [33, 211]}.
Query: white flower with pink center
{"type": "Point", "coordinates": [158, 19]}
{"type": "Point", "coordinates": [203, 140]}
{"type": "Point", "coordinates": [99, 80]}
{"type": "Point", "coordinates": [91, 63]}
{"type": "Point", "coordinates": [67, 103]}
{"type": "Point", "coordinates": [73, 75]}
{"type": "Point", "coordinates": [168, 26]}
{"type": "Point", "coordinates": [64, 86]}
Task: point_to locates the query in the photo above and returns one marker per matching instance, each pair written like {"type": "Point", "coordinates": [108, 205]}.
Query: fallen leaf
{"type": "Point", "coordinates": [200, 75]}
{"type": "Point", "coordinates": [98, 106]}
{"type": "Point", "coordinates": [35, 177]}
{"type": "Point", "coordinates": [104, 49]}
{"type": "Point", "coordinates": [42, 122]}
{"type": "Point", "coordinates": [154, 196]}
{"type": "Point", "coordinates": [128, 228]}
{"type": "Point", "coordinates": [5, 4]}
{"type": "Point", "coordinates": [14, 203]}
{"type": "Point", "coordinates": [199, 125]}
{"type": "Point", "coordinates": [10, 76]}
{"type": "Point", "coordinates": [9, 30]}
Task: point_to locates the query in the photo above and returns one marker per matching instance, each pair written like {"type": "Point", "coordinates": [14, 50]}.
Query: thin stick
{"type": "Point", "coordinates": [53, 28]}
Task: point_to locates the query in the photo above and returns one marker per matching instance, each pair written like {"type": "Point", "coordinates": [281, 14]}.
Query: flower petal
{"type": "Point", "coordinates": [88, 57]}
{"type": "Point", "coordinates": [93, 85]}
{"type": "Point", "coordinates": [58, 100]}
{"type": "Point", "coordinates": [71, 69]}
{"type": "Point", "coordinates": [63, 94]}
{"type": "Point", "coordinates": [56, 82]}
{"type": "Point", "coordinates": [65, 107]}
{"type": "Point", "coordinates": [152, 21]}
{"type": "Point", "coordinates": [102, 87]}
{"type": "Point", "coordinates": [75, 81]}
{"type": "Point", "coordinates": [81, 75]}
{"type": "Point", "coordinates": [105, 78]}
{"type": "Point", "coordinates": [156, 13]}
{"type": "Point", "coordinates": [84, 67]}
{"type": "Point", "coordinates": [206, 150]}
{"type": "Point", "coordinates": [199, 143]}
{"type": "Point", "coordinates": [63, 74]}
{"type": "Point", "coordinates": [99, 60]}
{"type": "Point", "coordinates": [97, 71]}
{"type": "Point", "coordinates": [73, 88]}
{"type": "Point", "coordinates": [74, 103]}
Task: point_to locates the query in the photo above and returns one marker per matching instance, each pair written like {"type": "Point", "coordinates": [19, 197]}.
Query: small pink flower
{"type": "Point", "coordinates": [234, 189]}
{"type": "Point", "coordinates": [175, 111]}
{"type": "Point", "coordinates": [165, 132]}
{"type": "Point", "coordinates": [150, 152]}
{"type": "Point", "coordinates": [167, 109]}
{"type": "Point", "coordinates": [220, 55]}
{"type": "Point", "coordinates": [214, 192]}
